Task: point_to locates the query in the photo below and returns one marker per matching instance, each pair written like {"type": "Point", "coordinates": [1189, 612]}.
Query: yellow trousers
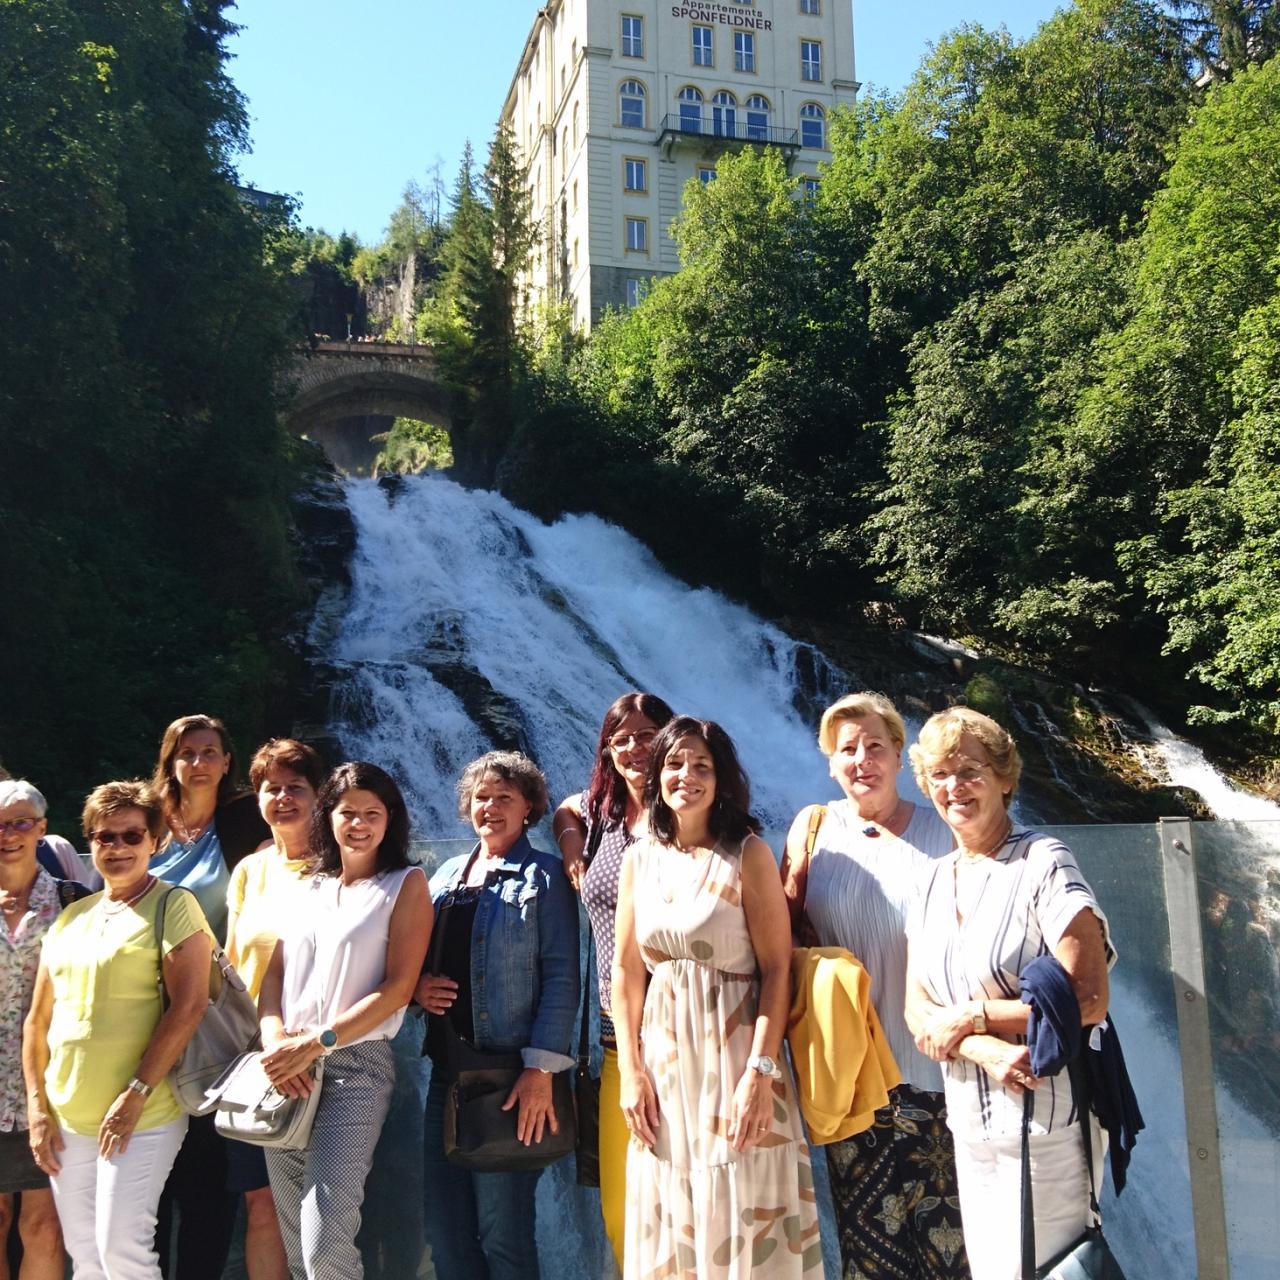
{"type": "Point", "coordinates": [613, 1154]}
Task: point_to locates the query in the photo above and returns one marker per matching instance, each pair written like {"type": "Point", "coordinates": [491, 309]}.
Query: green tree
{"type": "Point", "coordinates": [473, 318]}
{"type": "Point", "coordinates": [145, 522]}
{"type": "Point", "coordinates": [1190, 399]}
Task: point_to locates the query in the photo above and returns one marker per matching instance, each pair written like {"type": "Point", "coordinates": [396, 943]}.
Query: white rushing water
{"type": "Point", "coordinates": [556, 621]}
{"type": "Point", "coordinates": [559, 619]}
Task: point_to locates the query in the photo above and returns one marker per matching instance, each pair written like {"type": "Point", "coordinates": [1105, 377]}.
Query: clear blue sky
{"type": "Point", "coordinates": [349, 102]}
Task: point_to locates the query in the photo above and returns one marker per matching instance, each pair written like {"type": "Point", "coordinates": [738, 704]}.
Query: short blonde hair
{"type": "Point", "coordinates": [941, 736]}
{"type": "Point", "coordinates": [858, 706]}
{"type": "Point", "coordinates": [113, 797]}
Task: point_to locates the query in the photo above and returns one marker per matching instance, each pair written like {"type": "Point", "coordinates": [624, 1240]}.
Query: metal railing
{"type": "Point", "coordinates": [718, 129]}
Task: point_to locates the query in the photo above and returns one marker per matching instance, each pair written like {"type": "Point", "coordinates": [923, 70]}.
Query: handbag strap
{"type": "Point", "coordinates": [584, 1049]}
{"type": "Point", "coordinates": [1083, 1107]}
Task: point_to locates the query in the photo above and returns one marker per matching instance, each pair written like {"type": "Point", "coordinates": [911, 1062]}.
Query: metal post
{"type": "Point", "coordinates": [1186, 954]}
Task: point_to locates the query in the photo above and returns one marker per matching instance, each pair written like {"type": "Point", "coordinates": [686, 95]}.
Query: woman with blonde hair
{"type": "Point", "coordinates": [1007, 897]}
{"type": "Point", "coordinates": [850, 872]}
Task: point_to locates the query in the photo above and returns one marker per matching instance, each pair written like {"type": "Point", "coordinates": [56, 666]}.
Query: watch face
{"type": "Point", "coordinates": [328, 1038]}
{"type": "Point", "coordinates": [765, 1066]}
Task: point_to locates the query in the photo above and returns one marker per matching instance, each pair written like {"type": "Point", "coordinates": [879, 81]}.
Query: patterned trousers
{"type": "Point", "coordinates": [318, 1191]}
{"type": "Point", "coordinates": [894, 1187]}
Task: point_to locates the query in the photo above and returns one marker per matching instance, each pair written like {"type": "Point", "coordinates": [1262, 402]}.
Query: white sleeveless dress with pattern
{"type": "Point", "coordinates": [697, 1209]}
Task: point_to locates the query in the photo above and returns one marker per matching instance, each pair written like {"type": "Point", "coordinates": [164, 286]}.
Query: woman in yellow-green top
{"type": "Point", "coordinates": [286, 775]}
{"type": "Point", "coordinates": [98, 1044]}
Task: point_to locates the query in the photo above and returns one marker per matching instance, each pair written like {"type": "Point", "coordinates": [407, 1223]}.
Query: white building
{"type": "Point", "coordinates": [616, 104]}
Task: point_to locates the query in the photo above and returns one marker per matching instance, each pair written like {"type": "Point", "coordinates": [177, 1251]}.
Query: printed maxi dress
{"type": "Point", "coordinates": [697, 1209]}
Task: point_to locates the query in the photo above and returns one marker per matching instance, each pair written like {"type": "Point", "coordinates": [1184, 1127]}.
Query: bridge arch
{"type": "Point", "coordinates": [334, 387]}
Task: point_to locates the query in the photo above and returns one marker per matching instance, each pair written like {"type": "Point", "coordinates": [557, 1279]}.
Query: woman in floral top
{"type": "Point", "coordinates": [29, 904]}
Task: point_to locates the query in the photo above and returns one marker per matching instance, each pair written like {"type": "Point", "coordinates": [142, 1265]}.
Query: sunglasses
{"type": "Point", "coordinates": [134, 836]}
{"type": "Point", "coordinates": [20, 825]}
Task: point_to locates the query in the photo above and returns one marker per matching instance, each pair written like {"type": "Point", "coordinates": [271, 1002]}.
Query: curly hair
{"type": "Point", "coordinates": [511, 766]}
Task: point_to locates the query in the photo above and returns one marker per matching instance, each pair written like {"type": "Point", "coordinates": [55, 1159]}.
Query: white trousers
{"type": "Point", "coordinates": [108, 1207]}
{"type": "Point", "coordinates": [989, 1174]}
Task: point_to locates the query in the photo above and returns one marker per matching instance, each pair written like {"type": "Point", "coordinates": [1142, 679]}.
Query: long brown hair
{"type": "Point", "coordinates": [730, 814]}
{"type": "Point", "coordinates": [606, 796]}
{"type": "Point", "coordinates": [163, 781]}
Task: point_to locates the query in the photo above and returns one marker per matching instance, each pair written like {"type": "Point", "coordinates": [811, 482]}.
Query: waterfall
{"type": "Point", "coordinates": [460, 600]}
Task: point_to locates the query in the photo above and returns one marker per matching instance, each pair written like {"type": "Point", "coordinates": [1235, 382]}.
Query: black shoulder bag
{"type": "Point", "coordinates": [1090, 1257]}
{"type": "Point", "coordinates": [478, 1134]}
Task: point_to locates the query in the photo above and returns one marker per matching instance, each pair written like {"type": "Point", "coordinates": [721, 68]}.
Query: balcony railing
{"type": "Point", "coordinates": [717, 129]}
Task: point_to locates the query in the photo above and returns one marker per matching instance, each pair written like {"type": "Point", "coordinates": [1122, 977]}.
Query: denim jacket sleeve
{"type": "Point", "coordinates": [558, 968]}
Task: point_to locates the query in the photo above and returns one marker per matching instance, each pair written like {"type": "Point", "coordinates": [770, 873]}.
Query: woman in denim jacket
{"type": "Point", "coordinates": [508, 981]}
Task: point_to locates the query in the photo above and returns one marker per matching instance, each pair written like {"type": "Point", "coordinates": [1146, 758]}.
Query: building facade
{"type": "Point", "coordinates": [616, 104]}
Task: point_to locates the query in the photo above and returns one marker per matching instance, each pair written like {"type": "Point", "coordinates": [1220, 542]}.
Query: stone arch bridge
{"type": "Point", "coordinates": [335, 381]}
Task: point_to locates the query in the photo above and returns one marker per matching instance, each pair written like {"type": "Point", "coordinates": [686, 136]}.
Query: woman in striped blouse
{"type": "Point", "coordinates": [1006, 896]}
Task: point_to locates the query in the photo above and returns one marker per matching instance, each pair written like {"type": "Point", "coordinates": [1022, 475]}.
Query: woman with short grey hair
{"type": "Point", "coordinates": [30, 900]}
{"type": "Point", "coordinates": [506, 982]}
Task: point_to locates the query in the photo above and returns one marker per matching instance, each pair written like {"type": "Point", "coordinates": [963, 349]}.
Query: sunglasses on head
{"type": "Point", "coordinates": [134, 836]}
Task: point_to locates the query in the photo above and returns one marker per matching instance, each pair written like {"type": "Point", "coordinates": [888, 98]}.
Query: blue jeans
{"type": "Point", "coordinates": [480, 1226]}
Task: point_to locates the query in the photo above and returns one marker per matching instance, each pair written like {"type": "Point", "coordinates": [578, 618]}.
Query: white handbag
{"type": "Point", "coordinates": [251, 1109]}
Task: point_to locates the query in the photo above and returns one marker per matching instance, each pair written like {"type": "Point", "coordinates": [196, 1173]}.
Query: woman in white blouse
{"type": "Point", "coordinates": [337, 987]}
{"type": "Point", "coordinates": [1005, 896]}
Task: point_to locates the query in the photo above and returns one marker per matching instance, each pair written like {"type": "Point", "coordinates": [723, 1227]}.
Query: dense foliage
{"type": "Point", "coordinates": [148, 569]}
{"type": "Point", "coordinates": [1012, 372]}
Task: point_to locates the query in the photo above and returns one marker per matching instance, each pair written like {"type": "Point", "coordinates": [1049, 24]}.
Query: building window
{"type": "Point", "coordinates": [634, 177]}
{"type": "Point", "coordinates": [757, 118]}
{"type": "Point", "coordinates": [637, 235]}
{"type": "Point", "coordinates": [813, 126]}
{"type": "Point", "coordinates": [690, 110]}
{"type": "Point", "coordinates": [744, 51]}
{"type": "Point", "coordinates": [562, 82]}
{"type": "Point", "coordinates": [703, 55]}
{"type": "Point", "coordinates": [811, 6]}
{"type": "Point", "coordinates": [575, 195]}
{"type": "Point", "coordinates": [574, 260]}
{"type": "Point", "coordinates": [573, 54]}
{"type": "Point", "coordinates": [575, 124]}
{"type": "Point", "coordinates": [635, 291]}
{"type": "Point", "coordinates": [724, 114]}
{"type": "Point", "coordinates": [810, 60]}
{"type": "Point", "coordinates": [631, 104]}
{"type": "Point", "coordinates": [706, 173]}
{"type": "Point", "coordinates": [811, 186]}
{"type": "Point", "coordinates": [632, 36]}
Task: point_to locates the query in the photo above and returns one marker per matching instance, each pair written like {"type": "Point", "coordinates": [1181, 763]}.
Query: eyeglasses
{"type": "Point", "coordinates": [970, 775]}
{"type": "Point", "coordinates": [134, 836]}
{"type": "Point", "coordinates": [20, 825]}
{"type": "Point", "coordinates": [641, 738]}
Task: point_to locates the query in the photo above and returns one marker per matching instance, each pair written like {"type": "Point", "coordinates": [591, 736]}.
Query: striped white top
{"type": "Point", "coordinates": [1031, 891]}
{"type": "Point", "coordinates": [859, 892]}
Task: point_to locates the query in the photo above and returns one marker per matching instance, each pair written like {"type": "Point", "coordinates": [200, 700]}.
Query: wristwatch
{"type": "Point", "coordinates": [328, 1039]}
{"type": "Point", "coordinates": [978, 1014]}
{"type": "Point", "coordinates": [140, 1086]}
{"type": "Point", "coordinates": [764, 1065]}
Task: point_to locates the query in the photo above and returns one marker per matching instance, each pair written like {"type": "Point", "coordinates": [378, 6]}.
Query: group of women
{"type": "Point", "coordinates": [704, 1167]}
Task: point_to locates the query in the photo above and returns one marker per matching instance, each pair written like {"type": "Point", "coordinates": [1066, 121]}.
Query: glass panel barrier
{"type": "Point", "coordinates": [1238, 871]}
{"type": "Point", "coordinates": [1150, 1227]}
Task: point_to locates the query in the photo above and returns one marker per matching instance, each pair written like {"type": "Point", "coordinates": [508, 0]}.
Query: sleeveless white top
{"type": "Point", "coordinates": [861, 889]}
{"type": "Point", "coordinates": [335, 949]}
